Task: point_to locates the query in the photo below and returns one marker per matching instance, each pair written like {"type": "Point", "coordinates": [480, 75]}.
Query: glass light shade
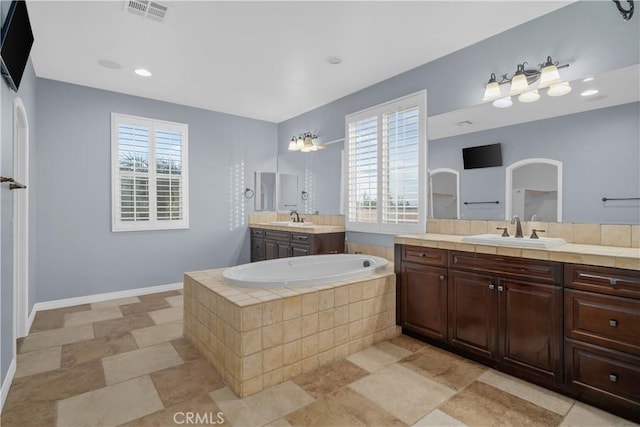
{"type": "Point", "coordinates": [503, 102]}
{"type": "Point", "coordinates": [300, 143]}
{"type": "Point", "coordinates": [293, 144]}
{"type": "Point", "coordinates": [531, 96]}
{"type": "Point", "coordinates": [559, 89]}
{"type": "Point", "coordinates": [492, 91]}
{"type": "Point", "coordinates": [519, 84]}
{"type": "Point", "coordinates": [549, 76]}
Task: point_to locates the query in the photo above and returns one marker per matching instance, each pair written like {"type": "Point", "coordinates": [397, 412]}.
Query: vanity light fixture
{"type": "Point", "coordinates": [526, 83]}
{"type": "Point", "coordinates": [305, 142]}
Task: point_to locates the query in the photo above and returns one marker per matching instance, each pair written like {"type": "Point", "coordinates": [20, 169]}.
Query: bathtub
{"type": "Point", "coordinates": [303, 271]}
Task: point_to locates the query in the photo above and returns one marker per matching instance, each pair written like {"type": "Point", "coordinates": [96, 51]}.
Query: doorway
{"type": "Point", "coordinates": [20, 219]}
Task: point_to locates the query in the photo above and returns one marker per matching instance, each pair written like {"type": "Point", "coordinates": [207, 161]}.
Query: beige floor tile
{"type": "Point", "coordinates": [56, 337]}
{"type": "Point", "coordinates": [54, 319]}
{"type": "Point", "coordinates": [377, 357]}
{"type": "Point", "coordinates": [408, 343]}
{"type": "Point", "coordinates": [210, 415]}
{"type": "Point", "coordinates": [263, 407]}
{"type": "Point", "coordinates": [540, 396]}
{"type": "Point", "coordinates": [111, 405]}
{"type": "Point", "coordinates": [482, 403]}
{"type": "Point", "coordinates": [135, 363]}
{"type": "Point", "coordinates": [97, 348]}
{"type": "Point", "coordinates": [158, 334]}
{"type": "Point", "coordinates": [281, 422]}
{"type": "Point", "coordinates": [38, 361]}
{"type": "Point", "coordinates": [114, 302]}
{"type": "Point", "coordinates": [582, 415]}
{"type": "Point", "coordinates": [437, 418]}
{"type": "Point", "coordinates": [175, 301]}
{"type": "Point", "coordinates": [388, 389]}
{"type": "Point", "coordinates": [90, 316]}
{"type": "Point", "coordinates": [167, 315]}
{"type": "Point", "coordinates": [147, 303]}
{"type": "Point", "coordinates": [186, 381]}
{"type": "Point", "coordinates": [328, 378]}
{"type": "Point", "coordinates": [342, 408]}
{"type": "Point", "coordinates": [185, 349]}
{"type": "Point", "coordinates": [122, 325]}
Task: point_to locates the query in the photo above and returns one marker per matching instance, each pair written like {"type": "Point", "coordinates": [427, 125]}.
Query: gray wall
{"type": "Point", "coordinates": [591, 36]}
{"type": "Point", "coordinates": [77, 254]}
{"type": "Point", "coordinates": [599, 150]}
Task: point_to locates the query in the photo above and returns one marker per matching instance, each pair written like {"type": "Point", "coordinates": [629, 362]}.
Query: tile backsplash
{"type": "Point", "coordinates": [256, 218]}
{"type": "Point", "coordinates": [625, 236]}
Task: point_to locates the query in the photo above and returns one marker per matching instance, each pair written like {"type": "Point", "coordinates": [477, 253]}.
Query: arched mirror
{"type": "Point", "coordinates": [444, 193]}
{"type": "Point", "coordinates": [534, 190]}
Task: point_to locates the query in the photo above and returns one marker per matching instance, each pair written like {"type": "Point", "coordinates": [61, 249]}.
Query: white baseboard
{"type": "Point", "coordinates": [68, 302]}
{"type": "Point", "coordinates": [30, 319]}
{"type": "Point", "coordinates": [6, 384]}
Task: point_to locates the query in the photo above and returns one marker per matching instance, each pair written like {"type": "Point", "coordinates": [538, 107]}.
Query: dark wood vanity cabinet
{"type": "Point", "coordinates": [602, 337]}
{"type": "Point", "coordinates": [274, 244]}
{"type": "Point", "coordinates": [424, 292]}
{"type": "Point", "coordinates": [508, 310]}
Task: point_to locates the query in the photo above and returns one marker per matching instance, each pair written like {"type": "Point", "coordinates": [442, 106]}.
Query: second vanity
{"type": "Point", "coordinates": [541, 315]}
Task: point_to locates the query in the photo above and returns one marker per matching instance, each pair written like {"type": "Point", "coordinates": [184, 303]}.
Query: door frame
{"type": "Point", "coordinates": [20, 220]}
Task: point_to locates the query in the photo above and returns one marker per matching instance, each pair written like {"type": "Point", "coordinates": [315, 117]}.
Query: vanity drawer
{"type": "Point", "coordinates": [276, 235]}
{"type": "Point", "coordinates": [528, 269]}
{"type": "Point", "coordinates": [605, 377]}
{"type": "Point", "coordinates": [428, 256]}
{"type": "Point", "coordinates": [300, 239]}
{"type": "Point", "coordinates": [257, 232]}
{"type": "Point", "coordinates": [609, 321]}
{"type": "Point", "coordinates": [613, 281]}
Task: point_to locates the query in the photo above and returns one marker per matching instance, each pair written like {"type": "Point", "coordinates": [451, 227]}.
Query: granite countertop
{"type": "Point", "coordinates": [305, 228]}
{"type": "Point", "coordinates": [606, 256]}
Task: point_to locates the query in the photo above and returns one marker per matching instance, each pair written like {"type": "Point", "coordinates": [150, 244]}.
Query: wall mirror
{"type": "Point", "coordinates": [287, 193]}
{"type": "Point", "coordinates": [444, 193]}
{"type": "Point", "coordinates": [534, 190]}
{"type": "Point", "coordinates": [319, 176]}
{"type": "Point", "coordinates": [594, 138]}
{"type": "Point", "coordinates": [265, 191]}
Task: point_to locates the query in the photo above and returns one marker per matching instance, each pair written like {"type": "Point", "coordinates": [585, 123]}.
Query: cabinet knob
{"type": "Point", "coordinates": [492, 286]}
{"type": "Point", "coordinates": [500, 288]}
{"type": "Point", "coordinates": [442, 277]}
{"type": "Point", "coordinates": [613, 378]}
{"type": "Point", "coordinates": [613, 323]}
{"type": "Point", "coordinates": [422, 255]}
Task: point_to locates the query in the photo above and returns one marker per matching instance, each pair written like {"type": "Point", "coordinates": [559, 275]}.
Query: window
{"type": "Point", "coordinates": [385, 168]}
{"type": "Point", "coordinates": [149, 170]}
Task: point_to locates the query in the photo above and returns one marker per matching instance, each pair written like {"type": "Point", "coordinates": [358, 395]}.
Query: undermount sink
{"type": "Point", "coordinates": [524, 242]}
{"type": "Point", "coordinates": [291, 223]}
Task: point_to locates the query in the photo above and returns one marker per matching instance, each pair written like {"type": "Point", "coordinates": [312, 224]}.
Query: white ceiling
{"type": "Point", "coordinates": [265, 60]}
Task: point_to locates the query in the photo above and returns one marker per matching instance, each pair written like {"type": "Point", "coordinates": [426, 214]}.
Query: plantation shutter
{"type": "Point", "coordinates": [363, 170]}
{"type": "Point", "coordinates": [149, 178]}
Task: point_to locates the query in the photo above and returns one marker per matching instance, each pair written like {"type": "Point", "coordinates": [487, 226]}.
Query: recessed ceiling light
{"type": "Point", "coordinates": [589, 92]}
{"type": "Point", "coordinates": [112, 65]}
{"type": "Point", "coordinates": [588, 79]}
{"type": "Point", "coordinates": [142, 72]}
{"type": "Point", "coordinates": [334, 60]}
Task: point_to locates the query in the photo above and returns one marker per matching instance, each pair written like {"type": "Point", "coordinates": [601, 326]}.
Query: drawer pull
{"type": "Point", "coordinates": [500, 288]}
{"type": "Point", "coordinates": [612, 281]}
{"type": "Point", "coordinates": [492, 286]}
{"type": "Point", "coordinates": [423, 255]}
{"type": "Point", "coordinates": [613, 323]}
{"type": "Point", "coordinates": [442, 277]}
{"type": "Point", "coordinates": [613, 378]}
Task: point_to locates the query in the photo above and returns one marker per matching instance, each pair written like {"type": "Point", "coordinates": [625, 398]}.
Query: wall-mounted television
{"type": "Point", "coordinates": [16, 40]}
{"type": "Point", "coordinates": [482, 156]}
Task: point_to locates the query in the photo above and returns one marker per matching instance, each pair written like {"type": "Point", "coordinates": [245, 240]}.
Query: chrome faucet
{"type": "Point", "coordinates": [297, 218]}
{"type": "Point", "coordinates": [516, 220]}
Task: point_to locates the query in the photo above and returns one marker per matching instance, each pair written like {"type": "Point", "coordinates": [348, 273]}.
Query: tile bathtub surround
{"type": "Point", "coordinates": [395, 382]}
{"type": "Point", "coordinates": [619, 235]}
{"type": "Point", "coordinates": [259, 337]}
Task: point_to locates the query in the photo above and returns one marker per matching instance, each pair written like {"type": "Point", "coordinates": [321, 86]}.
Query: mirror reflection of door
{"type": "Point", "coordinates": [287, 192]}
{"type": "Point", "coordinates": [535, 190]}
{"type": "Point", "coordinates": [265, 194]}
{"type": "Point", "coordinates": [444, 193]}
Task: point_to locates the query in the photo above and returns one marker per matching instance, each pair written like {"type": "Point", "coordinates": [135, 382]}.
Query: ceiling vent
{"type": "Point", "coordinates": [150, 9]}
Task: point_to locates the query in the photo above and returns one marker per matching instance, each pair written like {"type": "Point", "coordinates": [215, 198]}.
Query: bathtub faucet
{"type": "Point", "coordinates": [297, 218]}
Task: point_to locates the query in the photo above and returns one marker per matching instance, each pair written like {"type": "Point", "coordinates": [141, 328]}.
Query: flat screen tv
{"type": "Point", "coordinates": [17, 39]}
{"type": "Point", "coordinates": [482, 156]}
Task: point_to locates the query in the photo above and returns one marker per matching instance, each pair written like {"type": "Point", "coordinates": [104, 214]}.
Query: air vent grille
{"type": "Point", "coordinates": [151, 9]}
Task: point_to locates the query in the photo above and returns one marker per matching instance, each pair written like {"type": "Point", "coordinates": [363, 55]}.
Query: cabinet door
{"type": "Point", "coordinates": [530, 328]}
{"type": "Point", "coordinates": [270, 249]}
{"type": "Point", "coordinates": [257, 249]}
{"type": "Point", "coordinates": [283, 250]}
{"type": "Point", "coordinates": [424, 300]}
{"type": "Point", "coordinates": [473, 312]}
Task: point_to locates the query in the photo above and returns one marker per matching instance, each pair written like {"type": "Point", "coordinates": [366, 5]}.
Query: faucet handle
{"type": "Point", "coordinates": [534, 234]}
{"type": "Point", "coordinates": [504, 231]}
